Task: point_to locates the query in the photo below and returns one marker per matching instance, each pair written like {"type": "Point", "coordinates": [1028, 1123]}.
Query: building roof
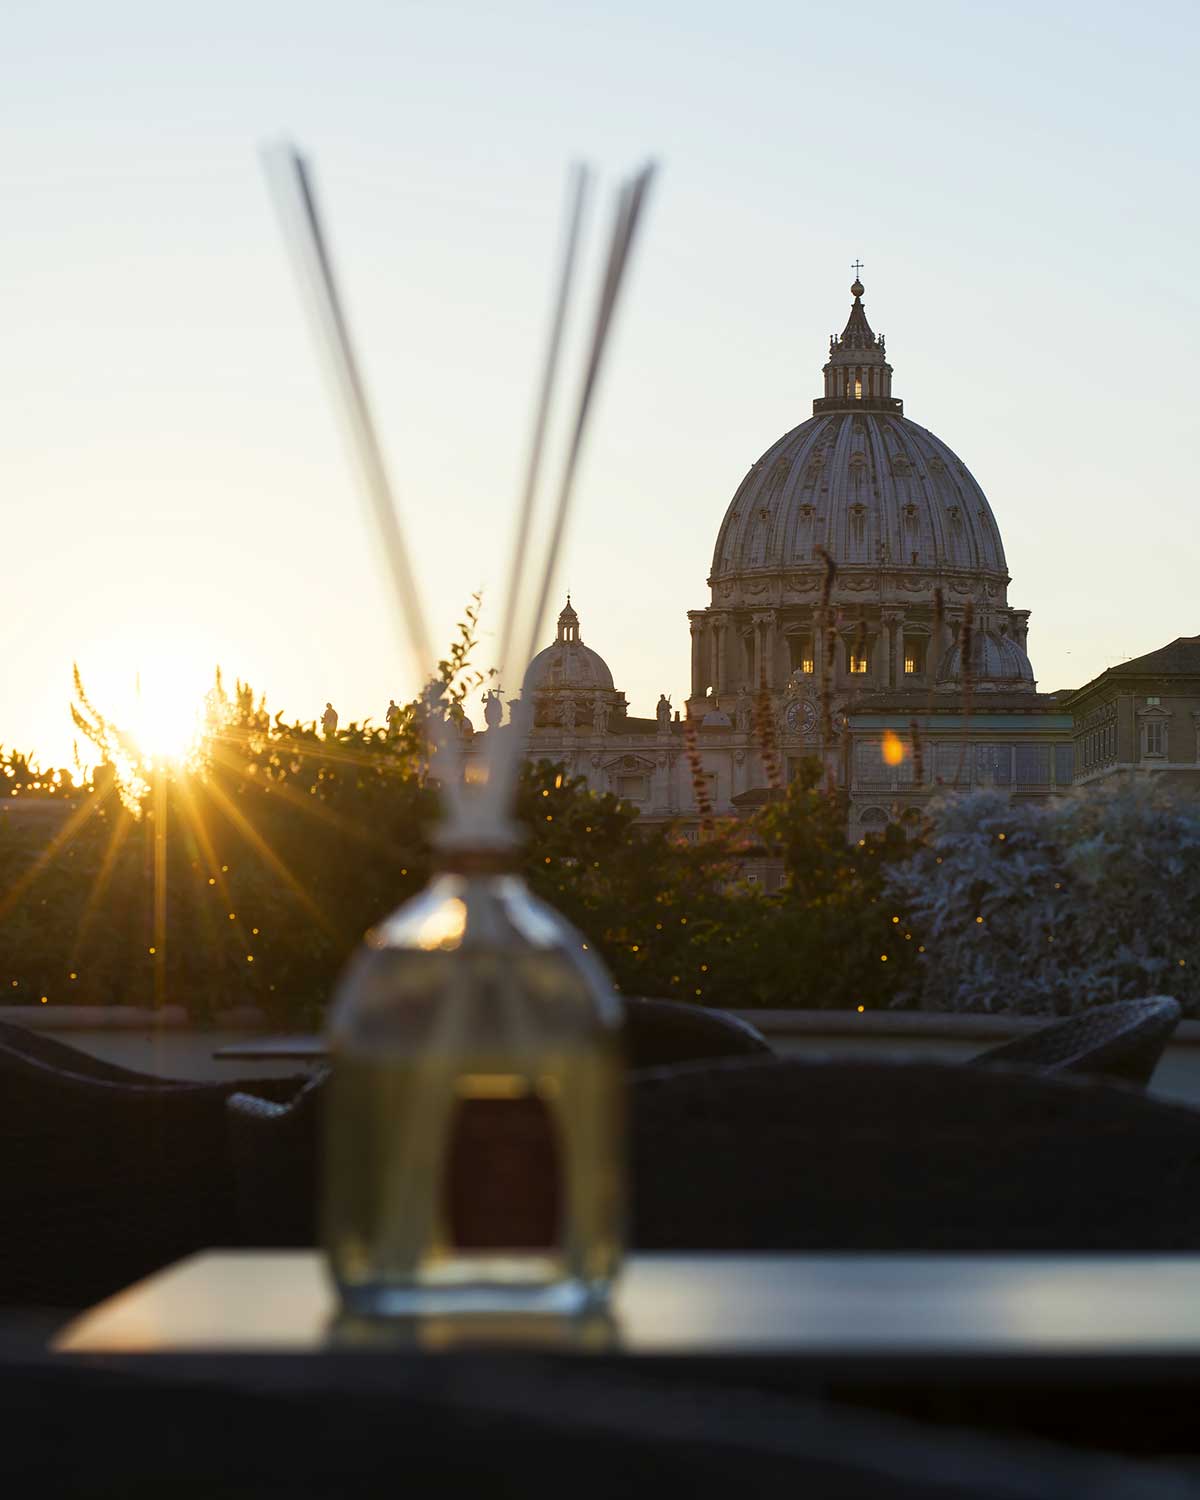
{"type": "Point", "coordinates": [920, 703]}
{"type": "Point", "coordinates": [1180, 658]}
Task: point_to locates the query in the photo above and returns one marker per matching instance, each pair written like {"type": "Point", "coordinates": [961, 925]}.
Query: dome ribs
{"type": "Point", "coordinates": [915, 494]}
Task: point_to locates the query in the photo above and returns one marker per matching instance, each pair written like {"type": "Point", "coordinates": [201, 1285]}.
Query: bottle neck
{"type": "Point", "coordinates": [479, 861]}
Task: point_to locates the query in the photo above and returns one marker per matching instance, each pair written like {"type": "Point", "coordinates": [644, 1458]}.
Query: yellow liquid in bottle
{"type": "Point", "coordinates": [474, 1140]}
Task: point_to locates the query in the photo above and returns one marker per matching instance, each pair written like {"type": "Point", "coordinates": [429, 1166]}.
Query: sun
{"type": "Point", "coordinates": [163, 715]}
{"type": "Point", "coordinates": [165, 725]}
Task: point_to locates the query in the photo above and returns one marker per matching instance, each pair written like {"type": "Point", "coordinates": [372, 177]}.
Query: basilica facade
{"type": "Point", "coordinates": [858, 611]}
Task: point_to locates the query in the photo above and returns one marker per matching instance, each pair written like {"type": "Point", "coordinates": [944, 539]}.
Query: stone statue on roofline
{"type": "Point", "coordinates": [493, 709]}
{"type": "Point", "coordinates": [663, 713]}
{"type": "Point", "coordinates": [599, 717]}
{"type": "Point", "coordinates": [743, 712]}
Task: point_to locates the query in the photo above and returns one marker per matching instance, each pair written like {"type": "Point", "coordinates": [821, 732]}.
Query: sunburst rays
{"type": "Point", "coordinates": [58, 845]}
{"type": "Point", "coordinates": [189, 812]}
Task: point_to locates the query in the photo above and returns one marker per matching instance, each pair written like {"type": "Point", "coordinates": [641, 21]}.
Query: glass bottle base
{"type": "Point", "coordinates": [471, 1299]}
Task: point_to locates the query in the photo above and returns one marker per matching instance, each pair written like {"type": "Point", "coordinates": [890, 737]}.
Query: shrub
{"type": "Point", "coordinates": [1055, 905]}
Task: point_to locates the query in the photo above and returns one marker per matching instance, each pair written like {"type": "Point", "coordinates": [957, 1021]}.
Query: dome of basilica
{"type": "Point", "coordinates": [861, 481]}
{"type": "Point", "coordinates": [567, 662]}
{"type": "Point", "coordinates": [857, 551]}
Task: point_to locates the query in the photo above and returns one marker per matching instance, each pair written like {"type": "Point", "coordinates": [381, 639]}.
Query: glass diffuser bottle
{"type": "Point", "coordinates": [474, 1134]}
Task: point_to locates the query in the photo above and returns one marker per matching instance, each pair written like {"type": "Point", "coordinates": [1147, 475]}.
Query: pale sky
{"type": "Point", "coordinates": [1018, 179]}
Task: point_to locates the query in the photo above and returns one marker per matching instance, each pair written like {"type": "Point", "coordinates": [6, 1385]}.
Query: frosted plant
{"type": "Point", "coordinates": [1056, 905]}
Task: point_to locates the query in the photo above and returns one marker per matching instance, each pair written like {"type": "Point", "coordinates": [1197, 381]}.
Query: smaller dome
{"type": "Point", "coordinates": [996, 661]}
{"type": "Point", "coordinates": [568, 663]}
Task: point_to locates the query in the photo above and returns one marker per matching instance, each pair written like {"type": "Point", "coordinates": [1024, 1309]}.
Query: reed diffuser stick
{"type": "Point", "coordinates": [295, 195]}
{"type": "Point", "coordinates": [578, 191]}
{"type": "Point", "coordinates": [500, 790]}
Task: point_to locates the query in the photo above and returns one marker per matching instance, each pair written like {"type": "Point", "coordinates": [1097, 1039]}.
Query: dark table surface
{"type": "Point", "coordinates": [1099, 1353]}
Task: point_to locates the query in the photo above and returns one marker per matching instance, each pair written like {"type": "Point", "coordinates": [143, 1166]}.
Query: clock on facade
{"type": "Point", "coordinates": [801, 718]}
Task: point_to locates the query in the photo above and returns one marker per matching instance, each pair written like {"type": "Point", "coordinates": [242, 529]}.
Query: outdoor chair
{"type": "Point", "coordinates": [1122, 1042]}
{"type": "Point", "coordinates": [102, 1180]}
{"type": "Point", "coordinates": [276, 1146]}
{"type": "Point", "coordinates": [37, 1046]}
{"type": "Point", "coordinates": [662, 1032]}
{"type": "Point", "coordinates": [276, 1151]}
{"type": "Point", "coordinates": [883, 1156]}
{"type": "Point", "coordinates": [783, 1154]}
